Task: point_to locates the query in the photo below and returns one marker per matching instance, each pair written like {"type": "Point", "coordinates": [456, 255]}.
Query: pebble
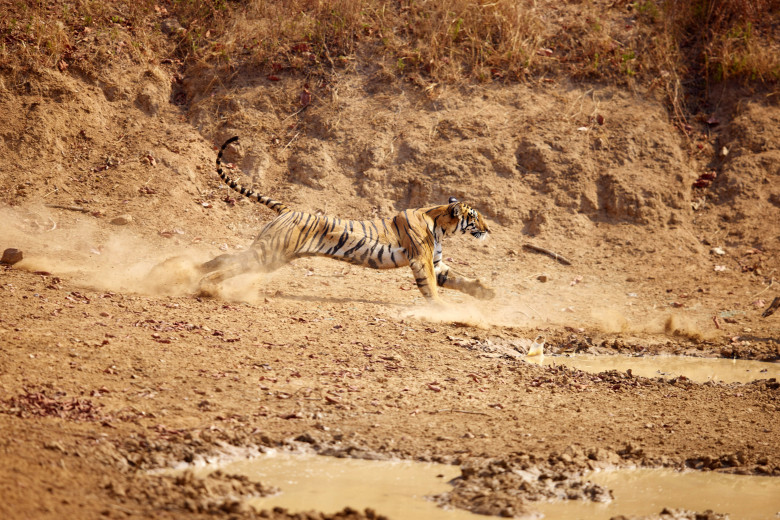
{"type": "Point", "coordinates": [122, 220]}
{"type": "Point", "coordinates": [11, 256]}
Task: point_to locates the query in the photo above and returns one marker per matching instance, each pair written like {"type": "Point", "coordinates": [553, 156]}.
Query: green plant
{"type": "Point", "coordinates": [629, 58]}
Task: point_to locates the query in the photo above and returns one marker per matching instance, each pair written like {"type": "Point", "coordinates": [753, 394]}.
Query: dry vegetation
{"type": "Point", "coordinates": [679, 44]}
{"type": "Point", "coordinates": [547, 116]}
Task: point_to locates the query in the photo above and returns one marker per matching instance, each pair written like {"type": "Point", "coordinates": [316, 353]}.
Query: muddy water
{"type": "Point", "coordinates": [697, 369]}
{"type": "Point", "coordinates": [648, 491]}
{"type": "Point", "coordinates": [397, 489]}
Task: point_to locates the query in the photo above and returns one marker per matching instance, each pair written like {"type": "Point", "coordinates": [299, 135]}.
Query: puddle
{"type": "Point", "coordinates": [697, 369]}
{"type": "Point", "coordinates": [397, 489]}
{"type": "Point", "coordinates": [648, 491]}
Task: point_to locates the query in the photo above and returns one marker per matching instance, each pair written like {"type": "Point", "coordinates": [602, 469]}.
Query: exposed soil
{"type": "Point", "coordinates": [111, 366]}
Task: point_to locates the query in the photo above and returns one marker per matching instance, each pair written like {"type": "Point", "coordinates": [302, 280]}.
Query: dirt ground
{"type": "Point", "coordinates": [110, 365]}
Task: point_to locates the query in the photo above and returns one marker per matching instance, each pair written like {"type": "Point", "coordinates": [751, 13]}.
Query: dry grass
{"type": "Point", "coordinates": [679, 44]}
{"type": "Point", "coordinates": [446, 40]}
{"type": "Point", "coordinates": [452, 39]}
{"type": "Point", "coordinates": [94, 33]}
{"type": "Point", "coordinates": [725, 39]}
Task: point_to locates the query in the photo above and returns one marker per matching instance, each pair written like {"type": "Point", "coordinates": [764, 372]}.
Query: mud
{"type": "Point", "coordinates": [697, 369]}
{"type": "Point", "coordinates": [644, 492]}
{"type": "Point", "coordinates": [423, 490]}
{"type": "Point", "coordinates": [112, 367]}
{"type": "Point", "coordinates": [328, 484]}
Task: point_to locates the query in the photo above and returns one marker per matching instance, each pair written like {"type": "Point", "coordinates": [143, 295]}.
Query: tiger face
{"type": "Point", "coordinates": [468, 220]}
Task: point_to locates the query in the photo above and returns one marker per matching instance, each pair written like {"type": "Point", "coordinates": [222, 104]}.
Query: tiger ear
{"type": "Point", "coordinates": [453, 199]}
{"type": "Point", "coordinates": [456, 211]}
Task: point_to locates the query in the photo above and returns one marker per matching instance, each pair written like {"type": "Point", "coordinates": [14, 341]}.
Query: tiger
{"type": "Point", "coordinates": [411, 238]}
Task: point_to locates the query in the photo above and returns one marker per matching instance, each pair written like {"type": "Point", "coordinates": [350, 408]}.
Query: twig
{"type": "Point", "coordinates": [460, 411]}
{"type": "Point", "coordinates": [124, 509]}
{"type": "Point", "coordinates": [296, 112]}
{"type": "Point", "coordinates": [547, 252]}
{"type": "Point", "coordinates": [532, 310]}
{"type": "Point", "coordinates": [291, 140]}
{"type": "Point", "coordinates": [69, 208]}
{"type": "Point", "coordinates": [762, 291]}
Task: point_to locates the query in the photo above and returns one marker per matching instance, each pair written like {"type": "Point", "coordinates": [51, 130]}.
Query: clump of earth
{"type": "Point", "coordinates": [111, 365]}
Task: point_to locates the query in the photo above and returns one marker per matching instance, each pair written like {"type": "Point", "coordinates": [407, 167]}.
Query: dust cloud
{"type": "Point", "coordinates": [110, 260]}
{"type": "Point", "coordinates": [537, 310]}
{"type": "Point", "coordinates": [460, 313]}
{"type": "Point", "coordinates": [117, 259]}
{"type": "Point", "coordinates": [246, 288]}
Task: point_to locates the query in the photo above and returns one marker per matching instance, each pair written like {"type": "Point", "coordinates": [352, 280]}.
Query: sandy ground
{"type": "Point", "coordinates": [110, 366]}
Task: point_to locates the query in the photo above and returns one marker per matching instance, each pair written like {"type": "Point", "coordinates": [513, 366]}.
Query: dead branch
{"type": "Point", "coordinates": [461, 411]}
{"type": "Point", "coordinates": [547, 252]}
{"type": "Point", "coordinates": [69, 208]}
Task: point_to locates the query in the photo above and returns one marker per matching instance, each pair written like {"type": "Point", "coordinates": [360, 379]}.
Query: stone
{"type": "Point", "coordinates": [122, 220]}
{"type": "Point", "coordinates": [11, 256]}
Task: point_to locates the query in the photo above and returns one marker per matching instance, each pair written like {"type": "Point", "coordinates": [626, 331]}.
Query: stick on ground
{"type": "Point", "coordinates": [547, 252]}
{"type": "Point", "coordinates": [70, 208]}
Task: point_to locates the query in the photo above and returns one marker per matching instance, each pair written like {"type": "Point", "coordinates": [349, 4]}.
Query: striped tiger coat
{"type": "Point", "coordinates": [411, 238]}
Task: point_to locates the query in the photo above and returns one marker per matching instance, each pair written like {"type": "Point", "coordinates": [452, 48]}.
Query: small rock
{"type": "Point", "coordinates": [717, 251]}
{"type": "Point", "coordinates": [543, 278]}
{"type": "Point", "coordinates": [11, 256]}
{"type": "Point", "coordinates": [171, 26]}
{"type": "Point", "coordinates": [54, 445]}
{"type": "Point", "coordinates": [122, 220]}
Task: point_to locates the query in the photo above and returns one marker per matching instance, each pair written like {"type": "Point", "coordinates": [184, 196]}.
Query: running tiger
{"type": "Point", "coordinates": [413, 238]}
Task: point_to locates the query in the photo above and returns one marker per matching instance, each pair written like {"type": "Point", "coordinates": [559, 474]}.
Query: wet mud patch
{"type": "Point", "coordinates": [328, 484]}
{"type": "Point", "coordinates": [504, 487]}
{"type": "Point", "coordinates": [677, 514]}
{"type": "Point", "coordinates": [151, 485]}
{"type": "Point", "coordinates": [509, 487]}
{"type": "Point", "coordinates": [592, 484]}
{"type": "Point", "coordinates": [696, 369]}
{"type": "Point", "coordinates": [575, 342]}
{"type": "Point", "coordinates": [214, 493]}
{"type": "Point", "coordinates": [643, 492]}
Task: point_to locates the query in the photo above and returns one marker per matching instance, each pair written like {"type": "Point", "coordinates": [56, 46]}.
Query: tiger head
{"type": "Point", "coordinates": [467, 220]}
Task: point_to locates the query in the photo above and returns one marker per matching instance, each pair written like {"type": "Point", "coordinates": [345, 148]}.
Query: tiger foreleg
{"type": "Point", "coordinates": [449, 279]}
{"type": "Point", "coordinates": [425, 278]}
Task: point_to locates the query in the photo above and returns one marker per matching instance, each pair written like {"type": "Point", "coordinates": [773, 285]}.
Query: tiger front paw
{"type": "Point", "coordinates": [482, 292]}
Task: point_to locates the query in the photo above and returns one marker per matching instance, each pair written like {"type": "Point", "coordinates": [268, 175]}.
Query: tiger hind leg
{"type": "Point", "coordinates": [226, 266]}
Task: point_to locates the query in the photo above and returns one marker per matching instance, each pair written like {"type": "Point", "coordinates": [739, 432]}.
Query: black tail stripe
{"type": "Point", "coordinates": [247, 192]}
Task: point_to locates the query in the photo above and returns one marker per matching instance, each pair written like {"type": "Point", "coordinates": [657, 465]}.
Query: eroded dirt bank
{"type": "Point", "coordinates": [107, 372]}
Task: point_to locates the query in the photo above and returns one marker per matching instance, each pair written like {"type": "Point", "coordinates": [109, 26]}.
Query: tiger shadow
{"type": "Point", "coordinates": [310, 298]}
